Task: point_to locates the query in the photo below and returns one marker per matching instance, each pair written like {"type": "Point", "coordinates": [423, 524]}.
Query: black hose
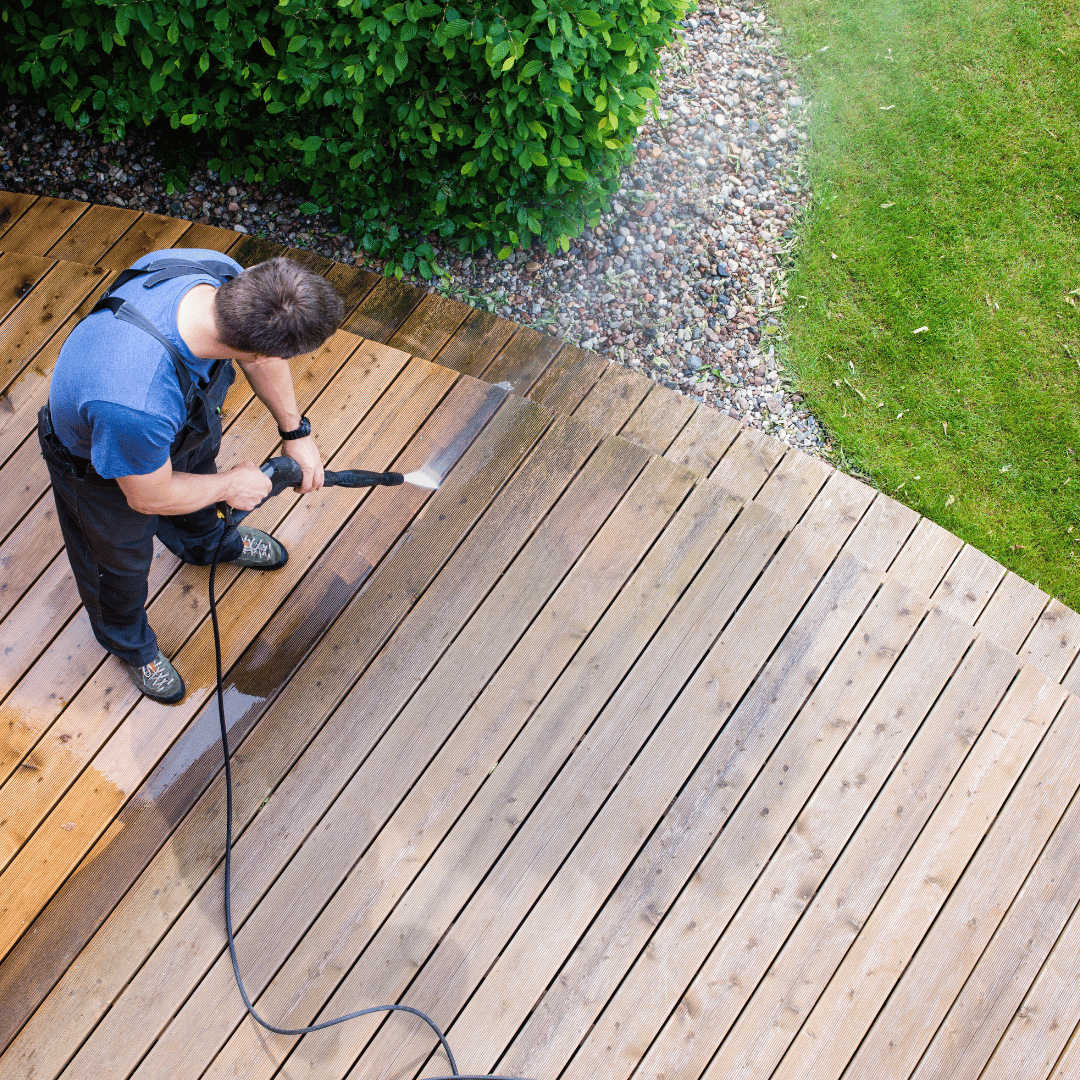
{"type": "Point", "coordinates": [228, 879]}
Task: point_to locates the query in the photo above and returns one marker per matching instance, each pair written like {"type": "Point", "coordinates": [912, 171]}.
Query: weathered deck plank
{"type": "Point", "coordinates": [278, 739]}
{"type": "Point", "coordinates": [570, 377]}
{"type": "Point", "coordinates": [1009, 961]}
{"type": "Point", "coordinates": [117, 769]}
{"type": "Point", "coordinates": [87, 239]}
{"type": "Point", "coordinates": [659, 420]}
{"type": "Point", "coordinates": [41, 224]}
{"type": "Point", "coordinates": [12, 207]}
{"type": "Point", "coordinates": [18, 275]}
{"type": "Point", "coordinates": [617, 769]}
{"type": "Point", "coordinates": [843, 1015]}
{"type": "Point", "coordinates": [56, 296]}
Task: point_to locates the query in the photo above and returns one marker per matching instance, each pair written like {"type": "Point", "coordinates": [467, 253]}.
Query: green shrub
{"type": "Point", "coordinates": [490, 123]}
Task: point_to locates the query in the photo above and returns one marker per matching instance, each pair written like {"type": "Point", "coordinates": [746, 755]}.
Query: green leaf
{"type": "Point", "coordinates": [269, 49]}
{"type": "Point", "coordinates": [621, 42]}
{"type": "Point", "coordinates": [532, 68]}
{"type": "Point", "coordinates": [47, 44]}
{"type": "Point", "coordinates": [312, 142]}
{"type": "Point", "coordinates": [188, 119]}
{"type": "Point", "coordinates": [297, 43]}
{"type": "Point", "coordinates": [308, 208]}
{"type": "Point", "coordinates": [157, 81]}
{"type": "Point", "coordinates": [221, 20]}
{"type": "Point", "coordinates": [123, 23]}
{"type": "Point", "coordinates": [147, 57]}
{"type": "Point", "coordinates": [589, 18]}
{"type": "Point", "coordinates": [538, 158]}
{"type": "Point", "coordinates": [508, 63]}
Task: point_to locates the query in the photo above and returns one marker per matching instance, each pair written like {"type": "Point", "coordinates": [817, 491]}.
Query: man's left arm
{"type": "Point", "coordinates": [271, 380]}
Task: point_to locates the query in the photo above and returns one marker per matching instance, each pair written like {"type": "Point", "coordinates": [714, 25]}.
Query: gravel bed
{"type": "Point", "coordinates": [683, 279]}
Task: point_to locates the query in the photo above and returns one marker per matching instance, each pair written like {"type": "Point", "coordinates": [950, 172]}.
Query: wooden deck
{"type": "Point", "coordinates": [642, 748]}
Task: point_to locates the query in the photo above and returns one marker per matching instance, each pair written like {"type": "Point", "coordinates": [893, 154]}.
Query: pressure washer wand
{"type": "Point", "coordinates": [285, 472]}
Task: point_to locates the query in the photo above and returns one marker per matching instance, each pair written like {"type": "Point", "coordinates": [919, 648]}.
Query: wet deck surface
{"type": "Point", "coordinates": [643, 747]}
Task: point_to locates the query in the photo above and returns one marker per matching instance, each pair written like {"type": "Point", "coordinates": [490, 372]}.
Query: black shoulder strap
{"type": "Point", "coordinates": [128, 313]}
{"type": "Point", "coordinates": [166, 269]}
{"type": "Point", "coordinates": [155, 273]}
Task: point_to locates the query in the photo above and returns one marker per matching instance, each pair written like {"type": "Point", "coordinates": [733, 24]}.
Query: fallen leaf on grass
{"type": "Point", "coordinates": [921, 330]}
{"type": "Point", "coordinates": [945, 427]}
{"type": "Point", "coordinates": [886, 205]}
{"type": "Point", "coordinates": [857, 390]}
{"type": "Point", "coordinates": [886, 108]}
{"type": "Point", "coordinates": [950, 500]}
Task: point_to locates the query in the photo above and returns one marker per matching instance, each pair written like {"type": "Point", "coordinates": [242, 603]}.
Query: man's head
{"type": "Point", "coordinates": [277, 308]}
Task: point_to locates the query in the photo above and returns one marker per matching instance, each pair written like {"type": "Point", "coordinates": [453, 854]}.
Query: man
{"type": "Point", "coordinates": [133, 426]}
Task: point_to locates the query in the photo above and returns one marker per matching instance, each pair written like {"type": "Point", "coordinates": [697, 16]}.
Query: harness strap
{"type": "Point", "coordinates": [155, 273]}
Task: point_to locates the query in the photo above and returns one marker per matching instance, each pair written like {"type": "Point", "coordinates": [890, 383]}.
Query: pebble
{"type": "Point", "coordinates": [682, 279]}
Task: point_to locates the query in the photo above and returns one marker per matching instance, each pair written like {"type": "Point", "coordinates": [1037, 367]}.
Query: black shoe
{"type": "Point", "coordinates": [261, 550]}
{"type": "Point", "coordinates": [158, 680]}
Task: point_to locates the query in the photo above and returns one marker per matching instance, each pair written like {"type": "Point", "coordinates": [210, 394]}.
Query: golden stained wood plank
{"type": "Point", "coordinates": [116, 770]}
{"type": "Point", "coordinates": [55, 297]}
{"type": "Point", "coordinates": [150, 233]}
{"type": "Point", "coordinates": [88, 238]}
{"type": "Point", "coordinates": [91, 893]}
{"type": "Point", "coordinates": [23, 397]}
{"type": "Point", "coordinates": [12, 206]}
{"type": "Point", "coordinates": [42, 224]}
{"type": "Point", "coordinates": [210, 237]}
{"type": "Point", "coordinates": [18, 275]}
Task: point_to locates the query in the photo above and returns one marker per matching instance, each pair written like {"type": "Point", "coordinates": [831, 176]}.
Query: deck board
{"type": "Point", "coordinates": [43, 223]}
{"type": "Point", "coordinates": [644, 747]}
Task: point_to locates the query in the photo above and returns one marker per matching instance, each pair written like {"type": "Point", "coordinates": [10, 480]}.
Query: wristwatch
{"type": "Point", "coordinates": [302, 432]}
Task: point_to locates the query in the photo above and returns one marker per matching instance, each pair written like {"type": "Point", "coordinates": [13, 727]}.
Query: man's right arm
{"type": "Point", "coordinates": [169, 493]}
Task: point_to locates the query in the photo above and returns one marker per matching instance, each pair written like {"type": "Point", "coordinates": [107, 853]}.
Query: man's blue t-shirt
{"type": "Point", "coordinates": [114, 396]}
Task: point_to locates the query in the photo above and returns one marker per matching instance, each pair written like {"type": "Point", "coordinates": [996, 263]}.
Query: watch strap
{"type": "Point", "coordinates": [302, 432]}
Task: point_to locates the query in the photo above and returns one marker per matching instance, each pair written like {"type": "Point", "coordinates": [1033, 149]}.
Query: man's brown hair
{"type": "Point", "coordinates": [277, 308]}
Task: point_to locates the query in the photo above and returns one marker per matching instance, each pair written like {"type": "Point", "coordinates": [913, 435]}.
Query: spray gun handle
{"type": "Point", "coordinates": [285, 472]}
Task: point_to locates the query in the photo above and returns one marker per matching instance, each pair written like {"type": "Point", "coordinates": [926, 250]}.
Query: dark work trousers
{"type": "Point", "coordinates": [110, 546]}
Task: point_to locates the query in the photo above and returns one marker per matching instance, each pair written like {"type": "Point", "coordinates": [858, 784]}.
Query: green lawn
{"type": "Point", "coordinates": [945, 164]}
